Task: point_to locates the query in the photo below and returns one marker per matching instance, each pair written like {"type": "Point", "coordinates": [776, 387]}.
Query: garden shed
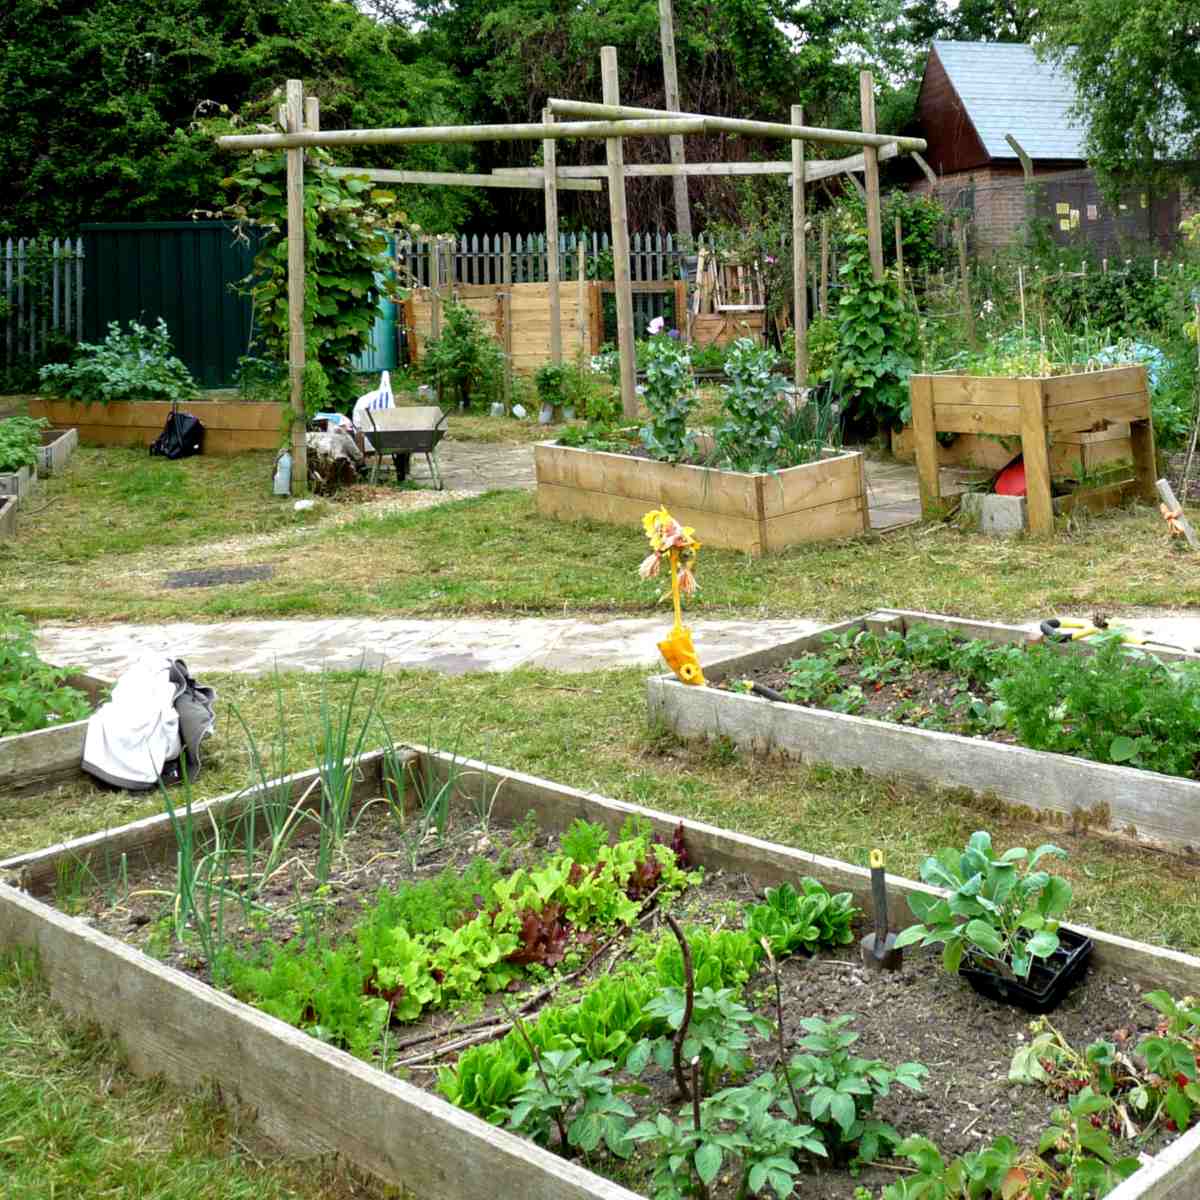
{"type": "Point", "coordinates": [979, 98]}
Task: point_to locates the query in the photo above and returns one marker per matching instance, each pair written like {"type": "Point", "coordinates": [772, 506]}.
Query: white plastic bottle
{"type": "Point", "coordinates": [283, 474]}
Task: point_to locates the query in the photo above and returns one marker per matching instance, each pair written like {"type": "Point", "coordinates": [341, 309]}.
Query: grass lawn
{"type": "Point", "coordinates": [590, 731]}
{"type": "Point", "coordinates": [79, 561]}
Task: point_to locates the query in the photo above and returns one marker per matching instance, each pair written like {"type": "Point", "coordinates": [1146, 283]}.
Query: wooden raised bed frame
{"type": "Point", "coordinates": [32, 762]}
{"type": "Point", "coordinates": [312, 1098]}
{"type": "Point", "coordinates": [756, 513]}
{"type": "Point", "coordinates": [1162, 810]}
{"type": "Point", "coordinates": [1032, 409]}
{"type": "Point", "coordinates": [229, 426]}
{"type": "Point", "coordinates": [1069, 452]}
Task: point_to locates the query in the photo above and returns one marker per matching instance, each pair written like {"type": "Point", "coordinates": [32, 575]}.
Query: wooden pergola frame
{"type": "Point", "coordinates": [611, 121]}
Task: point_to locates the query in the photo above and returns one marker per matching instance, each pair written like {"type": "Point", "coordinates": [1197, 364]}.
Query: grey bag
{"type": "Point", "coordinates": [194, 704]}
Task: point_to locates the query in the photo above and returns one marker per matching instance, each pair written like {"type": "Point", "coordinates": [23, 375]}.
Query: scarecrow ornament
{"type": "Point", "coordinates": [676, 543]}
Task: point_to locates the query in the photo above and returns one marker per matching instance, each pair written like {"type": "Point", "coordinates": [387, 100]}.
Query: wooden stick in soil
{"type": "Point", "coordinates": [701, 1186]}
{"type": "Point", "coordinates": [519, 1025]}
{"type": "Point", "coordinates": [497, 1027]}
{"type": "Point", "coordinates": [774, 967]}
{"type": "Point", "coordinates": [689, 996]}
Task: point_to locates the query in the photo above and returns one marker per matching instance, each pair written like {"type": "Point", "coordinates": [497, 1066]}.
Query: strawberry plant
{"type": "Point", "coordinates": [1172, 1055]}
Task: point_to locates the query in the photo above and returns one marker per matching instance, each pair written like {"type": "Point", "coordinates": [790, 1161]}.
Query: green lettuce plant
{"type": "Point", "coordinates": [1001, 908]}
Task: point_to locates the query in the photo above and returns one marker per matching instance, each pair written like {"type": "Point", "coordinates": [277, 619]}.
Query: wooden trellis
{"type": "Point", "coordinates": [609, 120]}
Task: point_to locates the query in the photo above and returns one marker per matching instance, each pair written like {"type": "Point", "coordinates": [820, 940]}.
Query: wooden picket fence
{"type": "Point", "coordinates": [42, 294]}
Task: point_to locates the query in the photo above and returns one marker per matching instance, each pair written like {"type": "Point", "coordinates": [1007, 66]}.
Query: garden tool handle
{"type": "Point", "coordinates": [879, 899]}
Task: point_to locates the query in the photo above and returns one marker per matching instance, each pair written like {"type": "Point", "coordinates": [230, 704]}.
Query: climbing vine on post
{"type": "Point", "coordinates": [348, 221]}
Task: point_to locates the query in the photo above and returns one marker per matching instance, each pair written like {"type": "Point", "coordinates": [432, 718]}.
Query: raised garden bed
{"type": "Point", "coordinates": [57, 447]}
{"type": "Point", "coordinates": [18, 484]}
{"type": "Point", "coordinates": [8, 516]}
{"type": "Point", "coordinates": [757, 513]}
{"type": "Point", "coordinates": [33, 762]}
{"type": "Point", "coordinates": [311, 1097]}
{"type": "Point", "coordinates": [1035, 410]}
{"type": "Point", "coordinates": [229, 426]}
{"type": "Point", "coordinates": [1160, 809]}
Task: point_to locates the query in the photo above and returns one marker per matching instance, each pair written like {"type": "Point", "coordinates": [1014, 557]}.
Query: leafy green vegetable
{"type": "Point", "coordinates": [803, 920]}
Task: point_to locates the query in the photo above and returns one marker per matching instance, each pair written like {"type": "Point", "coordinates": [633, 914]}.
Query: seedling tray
{"type": "Point", "coordinates": [313, 1098]}
{"type": "Point", "coordinates": [1162, 810]}
{"type": "Point", "coordinates": [1049, 979]}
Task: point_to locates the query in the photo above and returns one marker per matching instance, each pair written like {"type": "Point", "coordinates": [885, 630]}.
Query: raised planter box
{"type": "Point", "coordinates": [57, 447]}
{"type": "Point", "coordinates": [1162, 810]}
{"type": "Point", "coordinates": [8, 516]}
{"type": "Point", "coordinates": [19, 483]}
{"type": "Point", "coordinates": [735, 510]}
{"type": "Point", "coordinates": [311, 1098]}
{"type": "Point", "coordinates": [229, 426]}
{"type": "Point", "coordinates": [33, 762]}
{"type": "Point", "coordinates": [1070, 453]}
{"type": "Point", "coordinates": [1036, 410]}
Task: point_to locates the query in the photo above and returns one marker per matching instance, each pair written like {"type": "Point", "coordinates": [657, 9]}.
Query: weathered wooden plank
{"type": "Point", "coordinates": [831, 521]}
{"type": "Point", "coordinates": [1160, 809]}
{"type": "Point", "coordinates": [8, 516]}
{"type": "Point", "coordinates": [1172, 1174]}
{"type": "Point", "coordinates": [812, 484]}
{"type": "Point", "coordinates": [984, 390]}
{"type": "Point", "coordinates": [1090, 414]}
{"type": "Point", "coordinates": [977, 418]}
{"type": "Point", "coordinates": [1093, 385]}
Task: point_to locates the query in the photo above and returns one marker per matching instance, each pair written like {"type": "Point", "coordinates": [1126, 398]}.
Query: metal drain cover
{"type": "Point", "coordinates": [204, 577]}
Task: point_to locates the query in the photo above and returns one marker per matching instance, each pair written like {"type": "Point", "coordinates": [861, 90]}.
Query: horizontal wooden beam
{"type": "Point", "coordinates": [463, 179]}
{"type": "Point", "coordinates": [820, 168]}
{"type": "Point", "coordinates": [425, 134]}
{"type": "Point", "coordinates": [768, 129]}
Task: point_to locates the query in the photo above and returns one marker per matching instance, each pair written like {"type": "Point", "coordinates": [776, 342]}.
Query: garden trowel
{"type": "Point", "coordinates": [879, 948]}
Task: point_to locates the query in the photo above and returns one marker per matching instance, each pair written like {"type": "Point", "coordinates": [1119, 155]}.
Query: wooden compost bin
{"type": "Point", "coordinates": [229, 426]}
{"type": "Point", "coordinates": [757, 513]}
{"type": "Point", "coordinates": [311, 1098]}
{"type": "Point", "coordinates": [1069, 452]}
{"type": "Point", "coordinates": [1162, 810]}
{"type": "Point", "coordinates": [32, 762]}
{"type": "Point", "coordinates": [1034, 409]}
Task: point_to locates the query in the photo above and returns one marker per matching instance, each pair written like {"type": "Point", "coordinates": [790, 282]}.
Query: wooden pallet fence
{"type": "Point", "coordinates": [42, 288]}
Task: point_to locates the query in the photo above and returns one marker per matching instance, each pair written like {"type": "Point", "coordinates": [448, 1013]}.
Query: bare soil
{"type": "Point", "coordinates": [915, 1014]}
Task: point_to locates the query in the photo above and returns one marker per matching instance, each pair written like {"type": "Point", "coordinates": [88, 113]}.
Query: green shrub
{"type": "Point", "coordinates": [464, 363]}
{"type": "Point", "coordinates": [137, 364]}
{"type": "Point", "coordinates": [20, 438]}
{"type": "Point", "coordinates": [33, 694]}
{"type": "Point", "coordinates": [749, 438]}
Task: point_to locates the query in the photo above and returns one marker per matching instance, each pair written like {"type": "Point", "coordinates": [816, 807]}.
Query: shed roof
{"type": "Point", "coordinates": [1004, 88]}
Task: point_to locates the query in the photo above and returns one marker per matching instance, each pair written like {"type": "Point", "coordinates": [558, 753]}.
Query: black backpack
{"type": "Point", "coordinates": [182, 436]}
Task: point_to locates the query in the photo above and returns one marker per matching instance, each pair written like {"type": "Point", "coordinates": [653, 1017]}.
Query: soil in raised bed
{"type": "Point", "coordinates": [916, 1014]}
{"type": "Point", "coordinates": [916, 695]}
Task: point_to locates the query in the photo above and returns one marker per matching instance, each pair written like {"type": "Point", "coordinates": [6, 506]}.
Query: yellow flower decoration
{"type": "Point", "coordinates": [678, 544]}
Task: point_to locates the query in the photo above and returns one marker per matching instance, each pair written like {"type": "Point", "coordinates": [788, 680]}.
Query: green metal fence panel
{"type": "Point", "coordinates": [182, 271]}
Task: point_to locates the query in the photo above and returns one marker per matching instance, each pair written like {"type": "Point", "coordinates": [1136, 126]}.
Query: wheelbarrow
{"type": "Point", "coordinates": [403, 432]}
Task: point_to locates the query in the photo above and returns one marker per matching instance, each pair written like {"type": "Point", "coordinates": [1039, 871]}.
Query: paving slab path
{"type": "Point", "coordinates": [454, 647]}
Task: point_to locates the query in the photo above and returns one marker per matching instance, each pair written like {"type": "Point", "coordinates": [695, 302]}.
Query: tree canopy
{"type": "Point", "coordinates": [1137, 74]}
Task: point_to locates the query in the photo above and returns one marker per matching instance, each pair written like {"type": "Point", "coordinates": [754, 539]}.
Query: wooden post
{"type": "Point", "coordinates": [580, 301]}
{"type": "Point", "coordinates": [1167, 496]}
{"type": "Point", "coordinates": [824, 297]}
{"type": "Point", "coordinates": [866, 96]}
{"type": "Point", "coordinates": [666, 30]}
{"type": "Point", "coordinates": [435, 287]}
{"type": "Point", "coordinates": [799, 257]}
{"type": "Point", "coordinates": [508, 348]}
{"type": "Point", "coordinates": [900, 256]}
{"type": "Point", "coordinates": [552, 271]}
{"type": "Point", "coordinates": [295, 288]}
{"type": "Point", "coordinates": [619, 216]}
{"type": "Point", "coordinates": [506, 258]}
{"type": "Point", "coordinates": [1145, 466]}
{"type": "Point", "coordinates": [925, 444]}
{"type": "Point", "coordinates": [1037, 457]}
{"type": "Point", "coordinates": [964, 281]}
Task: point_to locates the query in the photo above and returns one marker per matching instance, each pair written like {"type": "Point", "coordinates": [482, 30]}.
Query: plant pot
{"type": "Point", "coordinates": [1049, 978]}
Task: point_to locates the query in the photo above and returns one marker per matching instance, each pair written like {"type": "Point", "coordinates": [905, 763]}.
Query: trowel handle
{"type": "Point", "coordinates": [879, 896]}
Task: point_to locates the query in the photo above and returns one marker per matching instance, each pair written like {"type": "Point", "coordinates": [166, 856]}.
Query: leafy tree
{"type": "Point", "coordinates": [1137, 75]}
{"type": "Point", "coordinates": [99, 100]}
